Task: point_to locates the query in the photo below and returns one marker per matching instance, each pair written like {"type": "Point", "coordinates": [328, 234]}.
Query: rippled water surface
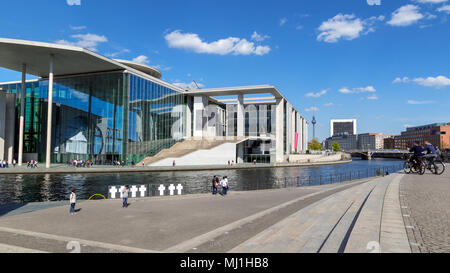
{"type": "Point", "coordinates": [55, 187]}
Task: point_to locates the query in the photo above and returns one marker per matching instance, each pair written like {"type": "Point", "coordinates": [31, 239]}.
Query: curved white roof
{"type": "Point", "coordinates": [142, 67]}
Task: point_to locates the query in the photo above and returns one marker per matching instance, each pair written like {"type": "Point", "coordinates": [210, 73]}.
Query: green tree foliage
{"type": "Point", "coordinates": [336, 147]}
{"type": "Point", "coordinates": [315, 145]}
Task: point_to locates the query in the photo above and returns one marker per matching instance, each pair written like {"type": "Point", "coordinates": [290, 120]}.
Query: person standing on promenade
{"type": "Point", "coordinates": [215, 185]}
{"type": "Point", "coordinates": [125, 193]}
{"type": "Point", "coordinates": [73, 201]}
{"type": "Point", "coordinates": [225, 185]}
{"type": "Point", "coordinates": [14, 162]}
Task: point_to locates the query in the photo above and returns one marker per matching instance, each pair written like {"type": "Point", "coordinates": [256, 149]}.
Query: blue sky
{"type": "Point", "coordinates": [385, 63]}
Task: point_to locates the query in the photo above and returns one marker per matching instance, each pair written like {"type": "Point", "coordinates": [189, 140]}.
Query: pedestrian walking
{"type": "Point", "coordinates": [73, 201]}
{"type": "Point", "coordinates": [225, 185]}
{"type": "Point", "coordinates": [14, 162]}
{"type": "Point", "coordinates": [215, 185]}
{"type": "Point", "coordinates": [125, 193]}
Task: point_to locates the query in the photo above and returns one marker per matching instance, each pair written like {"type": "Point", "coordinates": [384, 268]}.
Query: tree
{"type": "Point", "coordinates": [336, 147]}
{"type": "Point", "coordinates": [315, 145]}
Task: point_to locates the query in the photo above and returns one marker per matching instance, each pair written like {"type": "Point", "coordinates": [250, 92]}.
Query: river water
{"type": "Point", "coordinates": [55, 187]}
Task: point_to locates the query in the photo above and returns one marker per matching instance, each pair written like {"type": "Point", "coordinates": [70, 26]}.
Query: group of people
{"type": "Point", "coordinates": [429, 152]}
{"type": "Point", "coordinates": [32, 164]}
{"type": "Point", "coordinates": [80, 163]}
{"type": "Point", "coordinates": [73, 199]}
{"type": "Point", "coordinates": [4, 164]}
{"type": "Point", "coordinates": [223, 183]}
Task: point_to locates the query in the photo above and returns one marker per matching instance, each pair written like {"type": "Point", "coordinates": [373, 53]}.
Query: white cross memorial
{"type": "Point", "coordinates": [161, 190]}
{"type": "Point", "coordinates": [142, 189]}
{"type": "Point", "coordinates": [113, 191]}
{"type": "Point", "coordinates": [171, 189]}
{"type": "Point", "coordinates": [133, 190]}
{"type": "Point", "coordinates": [121, 191]}
{"type": "Point", "coordinates": [179, 188]}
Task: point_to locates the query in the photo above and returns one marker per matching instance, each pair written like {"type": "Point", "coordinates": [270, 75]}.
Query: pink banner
{"type": "Point", "coordinates": [296, 141]}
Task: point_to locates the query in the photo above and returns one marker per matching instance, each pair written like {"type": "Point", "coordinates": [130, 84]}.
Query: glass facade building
{"type": "Point", "coordinates": [100, 117]}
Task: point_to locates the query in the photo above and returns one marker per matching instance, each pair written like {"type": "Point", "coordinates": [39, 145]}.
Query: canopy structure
{"type": "Point", "coordinates": [68, 60]}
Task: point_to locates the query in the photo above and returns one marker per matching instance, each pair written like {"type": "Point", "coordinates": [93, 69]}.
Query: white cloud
{"type": "Point", "coordinates": [73, 2]}
{"type": "Point", "coordinates": [142, 59]}
{"type": "Point", "coordinates": [343, 26]}
{"type": "Point", "coordinates": [401, 80]}
{"type": "Point", "coordinates": [430, 1]}
{"type": "Point", "coordinates": [77, 27]}
{"type": "Point", "coordinates": [258, 37]}
{"type": "Point", "coordinates": [283, 21]}
{"type": "Point", "coordinates": [437, 82]}
{"type": "Point", "coordinates": [373, 97]}
{"type": "Point", "coordinates": [231, 45]}
{"type": "Point", "coordinates": [374, 2]}
{"type": "Point", "coordinates": [445, 8]}
{"type": "Point", "coordinates": [328, 104]}
{"type": "Point", "coordinates": [312, 109]}
{"type": "Point", "coordinates": [316, 95]}
{"type": "Point", "coordinates": [117, 53]}
{"type": "Point", "coordinates": [188, 86]}
{"type": "Point", "coordinates": [405, 16]}
{"type": "Point", "coordinates": [346, 26]}
{"type": "Point", "coordinates": [89, 41]}
{"type": "Point", "coordinates": [368, 89]}
{"type": "Point", "coordinates": [413, 102]}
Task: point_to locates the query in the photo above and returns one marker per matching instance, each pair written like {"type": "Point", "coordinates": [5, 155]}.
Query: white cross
{"type": "Point", "coordinates": [121, 191]}
{"type": "Point", "coordinates": [113, 192]}
{"type": "Point", "coordinates": [161, 190]}
{"type": "Point", "coordinates": [142, 189]}
{"type": "Point", "coordinates": [171, 189]}
{"type": "Point", "coordinates": [133, 190]}
{"type": "Point", "coordinates": [179, 188]}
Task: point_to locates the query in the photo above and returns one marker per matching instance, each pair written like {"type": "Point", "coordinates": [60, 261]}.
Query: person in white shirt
{"type": "Point", "coordinates": [73, 201]}
{"type": "Point", "coordinates": [125, 193]}
{"type": "Point", "coordinates": [225, 185]}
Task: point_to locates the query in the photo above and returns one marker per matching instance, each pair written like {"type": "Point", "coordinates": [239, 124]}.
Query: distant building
{"type": "Point", "coordinates": [437, 134]}
{"type": "Point", "coordinates": [368, 141]}
{"type": "Point", "coordinates": [341, 127]}
{"type": "Point", "coordinates": [347, 142]}
{"type": "Point", "coordinates": [389, 143]}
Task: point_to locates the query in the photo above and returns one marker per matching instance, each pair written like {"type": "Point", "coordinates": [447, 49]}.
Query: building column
{"type": "Point", "coordinates": [188, 117]}
{"type": "Point", "coordinates": [2, 123]}
{"type": "Point", "coordinates": [200, 106]}
{"type": "Point", "coordinates": [22, 115]}
{"type": "Point", "coordinates": [240, 117]}
{"type": "Point", "coordinates": [279, 131]}
{"type": "Point", "coordinates": [49, 114]}
{"type": "Point", "coordinates": [10, 126]}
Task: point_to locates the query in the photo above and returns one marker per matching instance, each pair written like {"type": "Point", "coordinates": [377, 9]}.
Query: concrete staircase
{"type": "Point", "coordinates": [183, 148]}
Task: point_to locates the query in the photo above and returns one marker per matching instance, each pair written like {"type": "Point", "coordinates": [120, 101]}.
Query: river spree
{"type": "Point", "coordinates": [55, 187]}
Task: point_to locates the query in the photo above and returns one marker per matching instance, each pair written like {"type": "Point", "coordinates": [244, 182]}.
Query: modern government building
{"type": "Point", "coordinates": [88, 107]}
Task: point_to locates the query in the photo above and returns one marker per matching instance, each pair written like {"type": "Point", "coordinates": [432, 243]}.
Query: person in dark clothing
{"type": "Point", "coordinates": [418, 152]}
{"type": "Point", "coordinates": [215, 185]}
{"type": "Point", "coordinates": [430, 152]}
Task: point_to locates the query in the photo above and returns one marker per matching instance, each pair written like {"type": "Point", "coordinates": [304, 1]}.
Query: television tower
{"type": "Point", "coordinates": [314, 122]}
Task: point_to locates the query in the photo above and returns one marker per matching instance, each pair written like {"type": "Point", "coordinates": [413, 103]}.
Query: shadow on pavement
{"type": "Point", "coordinates": [5, 209]}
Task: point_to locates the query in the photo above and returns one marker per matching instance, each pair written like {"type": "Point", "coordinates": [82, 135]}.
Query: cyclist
{"type": "Point", "coordinates": [418, 152]}
{"type": "Point", "coordinates": [431, 154]}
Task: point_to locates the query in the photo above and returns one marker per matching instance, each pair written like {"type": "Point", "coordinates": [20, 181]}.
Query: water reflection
{"type": "Point", "coordinates": [55, 187]}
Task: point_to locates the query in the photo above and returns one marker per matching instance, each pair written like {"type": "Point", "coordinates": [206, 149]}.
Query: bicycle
{"type": "Point", "coordinates": [413, 166]}
{"type": "Point", "coordinates": [436, 166]}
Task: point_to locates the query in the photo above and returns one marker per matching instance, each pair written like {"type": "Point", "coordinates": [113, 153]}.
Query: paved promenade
{"type": "Point", "coordinates": [361, 216]}
{"type": "Point", "coordinates": [64, 169]}
{"type": "Point", "coordinates": [426, 209]}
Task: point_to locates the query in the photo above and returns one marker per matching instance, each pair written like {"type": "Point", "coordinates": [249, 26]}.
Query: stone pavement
{"type": "Point", "coordinates": [425, 203]}
{"type": "Point", "coordinates": [64, 169]}
{"type": "Point", "coordinates": [166, 224]}
{"type": "Point", "coordinates": [361, 219]}
{"type": "Point", "coordinates": [362, 216]}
